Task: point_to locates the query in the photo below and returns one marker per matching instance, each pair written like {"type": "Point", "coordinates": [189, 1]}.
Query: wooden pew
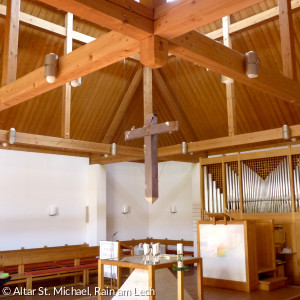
{"type": "Point", "coordinates": [47, 264]}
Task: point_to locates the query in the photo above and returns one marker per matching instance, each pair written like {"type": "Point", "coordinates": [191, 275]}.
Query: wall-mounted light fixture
{"type": "Point", "coordinates": [76, 82]}
{"type": "Point", "coordinates": [53, 211]}
{"type": "Point", "coordinates": [251, 64]}
{"type": "Point", "coordinates": [184, 148]}
{"type": "Point", "coordinates": [125, 210]}
{"type": "Point", "coordinates": [286, 134]}
{"type": "Point", "coordinates": [113, 149]}
{"type": "Point", "coordinates": [50, 67]}
{"type": "Point", "coordinates": [12, 136]}
{"type": "Point", "coordinates": [173, 209]}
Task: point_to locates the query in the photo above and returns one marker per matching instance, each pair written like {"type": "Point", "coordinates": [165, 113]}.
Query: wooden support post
{"type": "Point", "coordinates": [231, 115]}
{"type": "Point", "coordinates": [287, 39]}
{"type": "Point", "coordinates": [180, 285]}
{"type": "Point", "coordinates": [66, 101]}
{"type": "Point", "coordinates": [10, 51]}
{"type": "Point", "coordinates": [147, 85]}
{"type": "Point", "coordinates": [151, 279]}
{"type": "Point", "coordinates": [100, 279]}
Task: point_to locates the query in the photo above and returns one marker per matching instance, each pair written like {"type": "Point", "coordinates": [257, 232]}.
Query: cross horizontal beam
{"type": "Point", "coordinates": [151, 130]}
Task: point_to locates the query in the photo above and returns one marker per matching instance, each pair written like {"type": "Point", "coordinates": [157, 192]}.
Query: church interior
{"type": "Point", "coordinates": [142, 139]}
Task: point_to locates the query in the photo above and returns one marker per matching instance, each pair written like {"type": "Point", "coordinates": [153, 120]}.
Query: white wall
{"type": "Point", "coordinates": [29, 184]}
{"type": "Point", "coordinates": [125, 186]}
{"type": "Point", "coordinates": [175, 188]}
{"type": "Point", "coordinates": [96, 203]}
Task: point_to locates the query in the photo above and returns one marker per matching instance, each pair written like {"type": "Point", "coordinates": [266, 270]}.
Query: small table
{"type": "Point", "coordinates": [136, 262]}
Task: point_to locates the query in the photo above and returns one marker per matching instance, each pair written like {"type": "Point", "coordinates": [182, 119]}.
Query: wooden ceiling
{"type": "Point", "coordinates": [199, 97]}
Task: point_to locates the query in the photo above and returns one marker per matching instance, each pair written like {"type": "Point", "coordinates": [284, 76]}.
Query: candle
{"type": "Point", "coordinates": [179, 248]}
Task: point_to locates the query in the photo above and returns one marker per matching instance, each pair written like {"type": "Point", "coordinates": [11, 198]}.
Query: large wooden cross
{"type": "Point", "coordinates": [150, 131]}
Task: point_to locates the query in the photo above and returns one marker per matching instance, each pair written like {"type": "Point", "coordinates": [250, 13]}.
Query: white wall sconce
{"type": "Point", "coordinates": [251, 64]}
{"type": "Point", "coordinates": [173, 209]}
{"type": "Point", "coordinates": [125, 210]}
{"type": "Point", "coordinates": [50, 67]}
{"type": "Point", "coordinates": [76, 82]}
{"type": "Point", "coordinates": [113, 149]}
{"type": "Point", "coordinates": [184, 148]}
{"type": "Point", "coordinates": [12, 136]}
{"type": "Point", "coordinates": [286, 134]}
{"type": "Point", "coordinates": [52, 211]}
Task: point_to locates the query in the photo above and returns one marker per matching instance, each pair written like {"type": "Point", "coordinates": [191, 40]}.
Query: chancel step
{"type": "Point", "coordinates": [272, 283]}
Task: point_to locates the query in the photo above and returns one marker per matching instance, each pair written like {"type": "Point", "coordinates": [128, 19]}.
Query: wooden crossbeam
{"type": "Point", "coordinates": [170, 98]}
{"type": "Point", "coordinates": [41, 141]}
{"type": "Point", "coordinates": [11, 37]}
{"type": "Point", "coordinates": [127, 17]}
{"type": "Point", "coordinates": [208, 53]}
{"type": "Point", "coordinates": [106, 50]}
{"type": "Point", "coordinates": [287, 39]}
{"type": "Point", "coordinates": [231, 142]}
{"type": "Point", "coordinates": [181, 16]}
{"type": "Point", "coordinates": [118, 116]}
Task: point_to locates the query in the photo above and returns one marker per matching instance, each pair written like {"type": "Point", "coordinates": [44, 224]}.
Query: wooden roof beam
{"type": "Point", "coordinates": [127, 17]}
{"type": "Point", "coordinates": [11, 38]}
{"type": "Point", "coordinates": [231, 142]}
{"type": "Point", "coordinates": [104, 51]}
{"type": "Point", "coordinates": [201, 50]}
{"type": "Point", "coordinates": [41, 141]}
{"type": "Point", "coordinates": [181, 16]}
{"type": "Point", "coordinates": [287, 39]}
{"type": "Point", "coordinates": [118, 116]}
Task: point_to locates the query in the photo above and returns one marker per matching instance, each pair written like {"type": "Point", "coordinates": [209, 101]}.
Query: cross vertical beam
{"type": "Point", "coordinates": [10, 51]}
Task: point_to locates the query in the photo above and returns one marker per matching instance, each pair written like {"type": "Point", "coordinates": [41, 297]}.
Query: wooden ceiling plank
{"type": "Point", "coordinates": [182, 16]}
{"type": "Point", "coordinates": [132, 19]}
{"type": "Point", "coordinates": [172, 103]}
{"type": "Point", "coordinates": [34, 140]}
{"type": "Point", "coordinates": [253, 20]}
{"type": "Point", "coordinates": [287, 39]}
{"type": "Point", "coordinates": [104, 51]}
{"type": "Point", "coordinates": [154, 52]}
{"type": "Point", "coordinates": [48, 26]}
{"type": "Point", "coordinates": [67, 93]}
{"type": "Point", "coordinates": [11, 38]}
{"type": "Point", "coordinates": [118, 116]}
{"type": "Point", "coordinates": [201, 50]}
{"type": "Point", "coordinates": [229, 142]}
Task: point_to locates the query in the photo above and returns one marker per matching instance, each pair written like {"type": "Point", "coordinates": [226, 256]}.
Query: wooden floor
{"type": "Point", "coordinates": [288, 293]}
